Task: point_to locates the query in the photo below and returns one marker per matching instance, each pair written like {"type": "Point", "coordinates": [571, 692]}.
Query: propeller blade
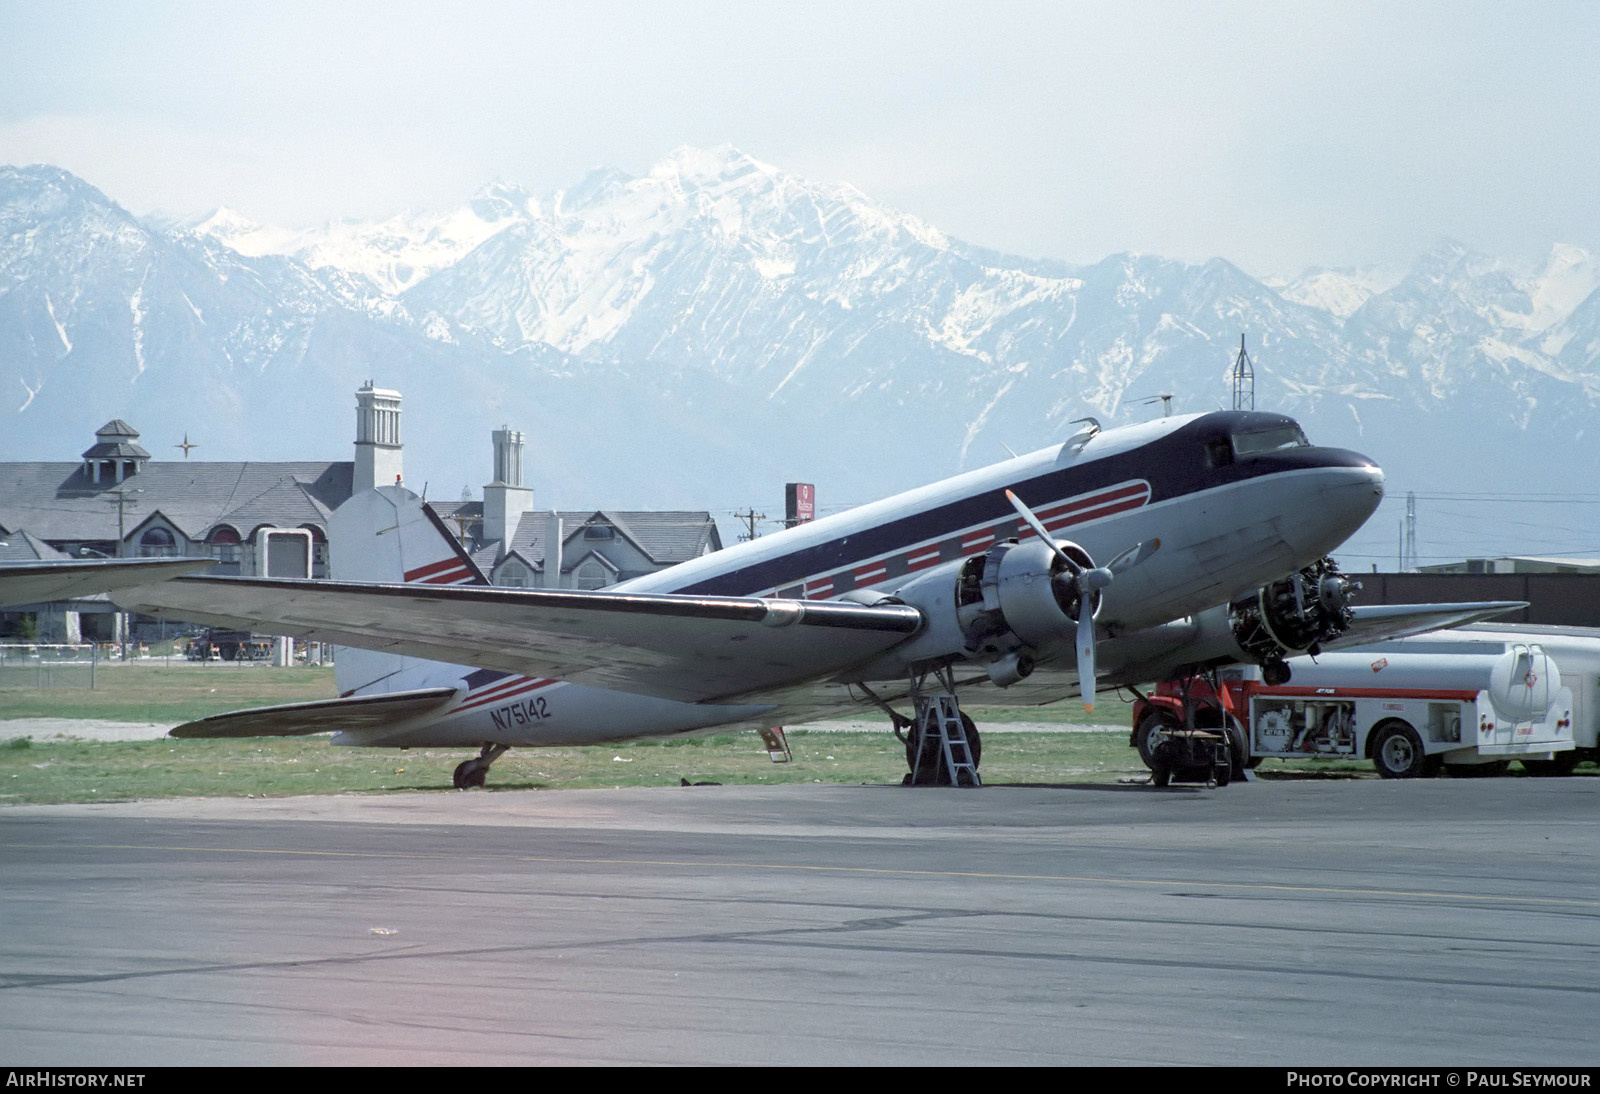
{"type": "Point", "coordinates": [1041, 531]}
{"type": "Point", "coordinates": [1089, 583]}
{"type": "Point", "coordinates": [1086, 650]}
{"type": "Point", "coordinates": [1134, 555]}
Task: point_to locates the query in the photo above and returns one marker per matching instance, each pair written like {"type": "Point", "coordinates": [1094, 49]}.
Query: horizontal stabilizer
{"type": "Point", "coordinates": [42, 582]}
{"type": "Point", "coordinates": [319, 716]}
{"type": "Point", "coordinates": [1378, 622]}
{"type": "Point", "coordinates": [687, 648]}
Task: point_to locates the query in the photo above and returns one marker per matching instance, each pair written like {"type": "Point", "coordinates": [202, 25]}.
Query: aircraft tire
{"type": "Point", "coordinates": [1237, 757]}
{"type": "Point", "coordinates": [933, 772]}
{"type": "Point", "coordinates": [1151, 727]}
{"type": "Point", "coordinates": [1397, 752]}
{"type": "Point", "coordinates": [469, 774]}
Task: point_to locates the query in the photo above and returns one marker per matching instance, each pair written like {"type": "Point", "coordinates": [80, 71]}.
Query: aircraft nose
{"type": "Point", "coordinates": [1343, 497]}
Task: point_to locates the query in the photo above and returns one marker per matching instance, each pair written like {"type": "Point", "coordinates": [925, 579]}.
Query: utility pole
{"type": "Point", "coordinates": [1409, 563]}
{"type": "Point", "coordinates": [121, 499]}
{"type": "Point", "coordinates": [749, 519]}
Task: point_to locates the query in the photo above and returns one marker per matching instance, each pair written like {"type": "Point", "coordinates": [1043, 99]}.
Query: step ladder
{"type": "Point", "coordinates": [939, 720]}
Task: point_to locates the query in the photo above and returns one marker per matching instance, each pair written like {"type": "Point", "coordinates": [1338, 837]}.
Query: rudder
{"type": "Point", "coordinates": [392, 536]}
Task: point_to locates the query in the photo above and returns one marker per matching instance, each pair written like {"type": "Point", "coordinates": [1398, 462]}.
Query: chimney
{"type": "Point", "coordinates": [505, 499]}
{"type": "Point", "coordinates": [377, 438]}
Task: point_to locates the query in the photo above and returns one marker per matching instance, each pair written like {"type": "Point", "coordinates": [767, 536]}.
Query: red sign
{"type": "Point", "coordinates": [800, 503]}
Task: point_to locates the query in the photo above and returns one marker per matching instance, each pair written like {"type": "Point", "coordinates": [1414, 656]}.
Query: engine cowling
{"type": "Point", "coordinates": [1017, 600]}
{"type": "Point", "coordinates": [1293, 615]}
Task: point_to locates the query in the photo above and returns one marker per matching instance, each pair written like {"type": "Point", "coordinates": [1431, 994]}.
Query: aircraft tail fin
{"type": "Point", "coordinates": [319, 716]}
{"type": "Point", "coordinates": [392, 536]}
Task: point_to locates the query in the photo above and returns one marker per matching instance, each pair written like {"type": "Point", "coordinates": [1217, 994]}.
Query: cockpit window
{"type": "Point", "coordinates": [1275, 439]}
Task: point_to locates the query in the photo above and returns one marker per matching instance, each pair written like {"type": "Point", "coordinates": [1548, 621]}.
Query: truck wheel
{"type": "Point", "coordinates": [1152, 728]}
{"type": "Point", "coordinates": [1397, 752]}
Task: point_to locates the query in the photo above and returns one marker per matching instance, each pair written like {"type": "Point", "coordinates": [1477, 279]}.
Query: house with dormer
{"type": "Point", "coordinates": [117, 501]}
{"type": "Point", "coordinates": [516, 545]}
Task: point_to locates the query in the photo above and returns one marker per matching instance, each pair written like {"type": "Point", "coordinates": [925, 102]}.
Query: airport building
{"type": "Point", "coordinates": [116, 501]}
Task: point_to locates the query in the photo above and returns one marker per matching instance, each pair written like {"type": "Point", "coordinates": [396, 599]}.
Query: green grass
{"type": "Point", "coordinates": [86, 771]}
{"type": "Point", "coordinates": [151, 691]}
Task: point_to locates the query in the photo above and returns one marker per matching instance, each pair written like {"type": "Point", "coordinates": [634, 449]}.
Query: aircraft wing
{"type": "Point", "coordinates": [318, 716]}
{"type": "Point", "coordinates": [42, 582]}
{"type": "Point", "coordinates": [1378, 622]}
{"type": "Point", "coordinates": [688, 648]}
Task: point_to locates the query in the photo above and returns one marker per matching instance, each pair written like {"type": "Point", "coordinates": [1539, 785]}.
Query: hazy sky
{"type": "Point", "coordinates": [1280, 135]}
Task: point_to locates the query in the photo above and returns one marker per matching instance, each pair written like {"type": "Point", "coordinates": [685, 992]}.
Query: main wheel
{"type": "Point", "coordinates": [1155, 725]}
{"type": "Point", "coordinates": [932, 771]}
{"type": "Point", "coordinates": [1397, 752]}
{"type": "Point", "coordinates": [1237, 754]}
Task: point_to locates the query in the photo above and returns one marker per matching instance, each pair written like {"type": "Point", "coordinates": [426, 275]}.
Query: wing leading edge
{"type": "Point", "coordinates": [1379, 622]}
{"type": "Point", "coordinates": [57, 579]}
{"type": "Point", "coordinates": [687, 648]}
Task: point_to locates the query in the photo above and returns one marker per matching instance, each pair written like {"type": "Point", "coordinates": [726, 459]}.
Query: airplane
{"type": "Point", "coordinates": [1215, 529]}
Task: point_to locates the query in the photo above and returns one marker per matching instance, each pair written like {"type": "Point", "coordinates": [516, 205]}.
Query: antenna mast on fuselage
{"type": "Point", "coordinates": [1244, 380]}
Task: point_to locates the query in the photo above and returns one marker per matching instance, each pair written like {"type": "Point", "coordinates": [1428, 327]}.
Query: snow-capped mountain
{"type": "Point", "coordinates": [719, 312]}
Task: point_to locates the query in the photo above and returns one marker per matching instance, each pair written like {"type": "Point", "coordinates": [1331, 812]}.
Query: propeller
{"type": "Point", "coordinates": [1087, 582]}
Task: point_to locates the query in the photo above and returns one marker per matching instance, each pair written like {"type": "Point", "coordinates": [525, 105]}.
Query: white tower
{"type": "Point", "coordinates": [505, 499]}
{"type": "Point", "coordinates": [377, 438]}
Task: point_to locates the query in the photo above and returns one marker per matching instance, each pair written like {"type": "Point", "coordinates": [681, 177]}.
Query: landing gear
{"type": "Point", "coordinates": [929, 768]}
{"type": "Point", "coordinates": [1198, 706]}
{"type": "Point", "coordinates": [475, 772]}
{"type": "Point", "coordinates": [1152, 729]}
{"type": "Point", "coordinates": [942, 744]}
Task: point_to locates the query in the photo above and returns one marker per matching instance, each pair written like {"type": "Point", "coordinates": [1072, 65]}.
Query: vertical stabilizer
{"type": "Point", "coordinates": [390, 535]}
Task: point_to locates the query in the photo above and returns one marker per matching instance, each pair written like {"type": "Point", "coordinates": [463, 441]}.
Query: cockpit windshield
{"type": "Point", "coordinates": [1274, 439]}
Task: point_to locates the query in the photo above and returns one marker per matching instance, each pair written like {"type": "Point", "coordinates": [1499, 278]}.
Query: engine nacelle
{"type": "Point", "coordinates": [1010, 604]}
{"type": "Point", "coordinates": [1009, 607]}
{"type": "Point", "coordinates": [1293, 615]}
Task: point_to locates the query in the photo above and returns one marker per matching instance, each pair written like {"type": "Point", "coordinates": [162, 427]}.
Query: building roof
{"type": "Point", "coordinates": [59, 503]}
{"type": "Point", "coordinates": [118, 440]}
{"type": "Point", "coordinates": [22, 546]}
{"type": "Point", "coordinates": [665, 537]}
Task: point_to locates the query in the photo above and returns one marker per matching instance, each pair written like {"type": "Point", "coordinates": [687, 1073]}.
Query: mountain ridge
{"type": "Point", "coordinates": [734, 309]}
